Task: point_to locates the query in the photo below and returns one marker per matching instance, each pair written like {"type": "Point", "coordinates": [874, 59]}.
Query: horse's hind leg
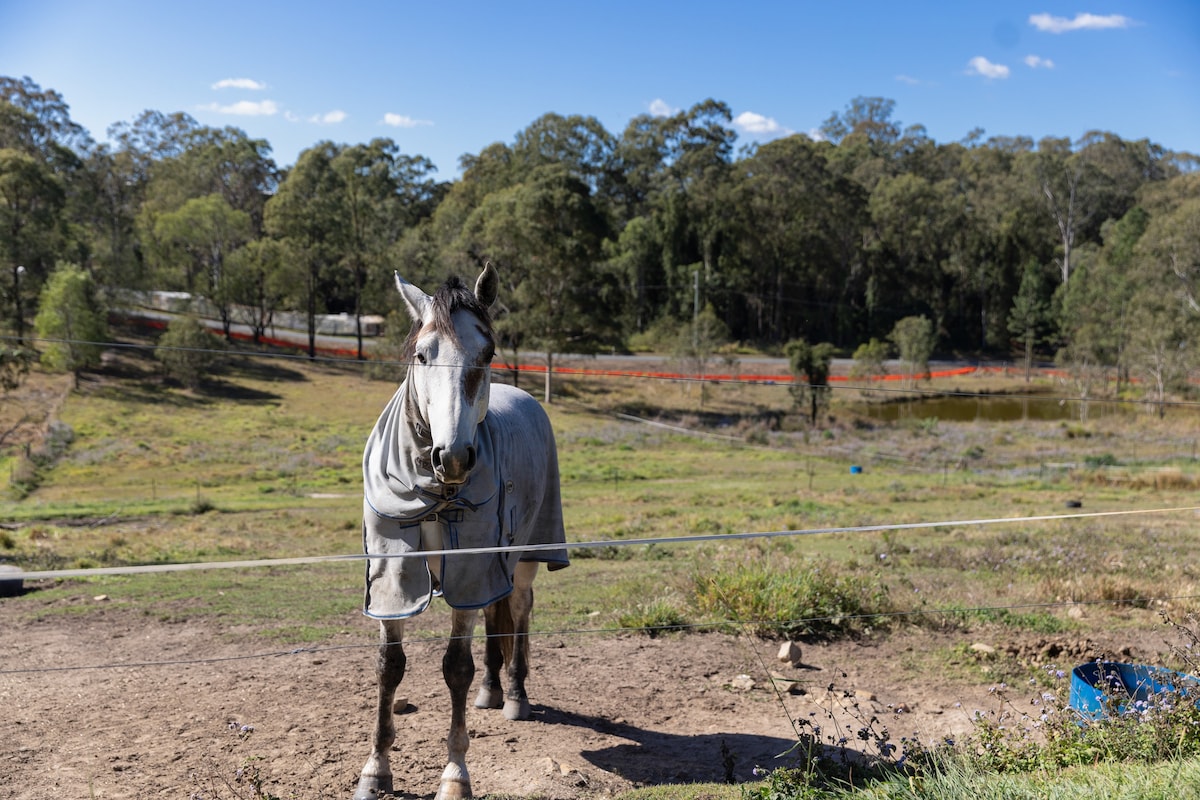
{"type": "Point", "coordinates": [376, 778]}
{"type": "Point", "coordinates": [516, 704]}
{"type": "Point", "coordinates": [458, 667]}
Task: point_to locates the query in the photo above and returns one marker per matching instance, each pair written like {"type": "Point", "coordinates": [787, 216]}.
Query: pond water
{"type": "Point", "coordinates": [989, 408]}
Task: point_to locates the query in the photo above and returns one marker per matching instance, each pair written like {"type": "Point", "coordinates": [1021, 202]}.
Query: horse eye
{"type": "Point", "coordinates": [421, 358]}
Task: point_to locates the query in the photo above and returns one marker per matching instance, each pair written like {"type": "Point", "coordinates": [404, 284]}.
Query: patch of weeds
{"type": "Point", "coordinates": [805, 600]}
{"type": "Point", "coordinates": [655, 617]}
{"type": "Point", "coordinates": [1102, 460]}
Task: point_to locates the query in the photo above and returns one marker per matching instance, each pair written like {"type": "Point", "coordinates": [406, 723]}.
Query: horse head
{"type": "Point", "coordinates": [449, 351]}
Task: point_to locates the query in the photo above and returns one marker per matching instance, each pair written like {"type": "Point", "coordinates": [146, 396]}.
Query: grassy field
{"type": "Point", "coordinates": [263, 462]}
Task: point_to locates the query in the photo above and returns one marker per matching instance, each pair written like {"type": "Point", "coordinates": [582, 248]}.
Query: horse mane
{"type": "Point", "coordinates": [451, 296]}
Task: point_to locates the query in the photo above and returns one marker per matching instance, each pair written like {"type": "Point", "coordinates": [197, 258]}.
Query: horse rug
{"type": "Point", "coordinates": [511, 498]}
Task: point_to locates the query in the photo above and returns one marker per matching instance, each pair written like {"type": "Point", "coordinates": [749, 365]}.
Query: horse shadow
{"type": "Point", "coordinates": [654, 757]}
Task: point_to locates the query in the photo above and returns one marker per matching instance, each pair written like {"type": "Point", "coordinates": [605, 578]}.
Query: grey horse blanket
{"type": "Point", "coordinates": [511, 498]}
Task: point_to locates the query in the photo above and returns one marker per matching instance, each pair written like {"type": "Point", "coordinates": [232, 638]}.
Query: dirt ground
{"type": "Point", "coordinates": [233, 719]}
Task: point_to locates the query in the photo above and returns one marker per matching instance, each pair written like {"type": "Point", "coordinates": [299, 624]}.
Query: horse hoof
{"type": "Point", "coordinates": [489, 698]}
{"type": "Point", "coordinates": [453, 789]}
{"type": "Point", "coordinates": [372, 787]}
{"type": "Point", "coordinates": [516, 709]}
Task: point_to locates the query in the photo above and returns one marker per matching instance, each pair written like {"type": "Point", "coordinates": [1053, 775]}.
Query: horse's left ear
{"type": "Point", "coordinates": [487, 285]}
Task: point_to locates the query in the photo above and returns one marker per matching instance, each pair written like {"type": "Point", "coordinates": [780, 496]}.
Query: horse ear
{"type": "Point", "coordinates": [487, 285]}
{"type": "Point", "coordinates": [417, 301]}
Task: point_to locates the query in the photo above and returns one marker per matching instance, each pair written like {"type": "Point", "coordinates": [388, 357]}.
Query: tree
{"type": "Point", "coordinates": [810, 366]}
{"type": "Point", "coordinates": [71, 321]}
{"type": "Point", "coordinates": [1030, 314]}
{"type": "Point", "coordinates": [31, 199]}
{"type": "Point", "coordinates": [546, 233]}
{"type": "Point", "coordinates": [260, 277]}
{"type": "Point", "coordinates": [870, 360]}
{"type": "Point", "coordinates": [204, 231]}
{"type": "Point", "coordinates": [914, 340]}
{"type": "Point", "coordinates": [1162, 334]}
{"type": "Point", "coordinates": [304, 212]}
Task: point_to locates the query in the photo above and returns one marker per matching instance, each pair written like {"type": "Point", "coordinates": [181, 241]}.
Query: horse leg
{"type": "Point", "coordinates": [491, 694]}
{"type": "Point", "coordinates": [376, 778]}
{"type": "Point", "coordinates": [520, 607]}
{"type": "Point", "coordinates": [458, 668]}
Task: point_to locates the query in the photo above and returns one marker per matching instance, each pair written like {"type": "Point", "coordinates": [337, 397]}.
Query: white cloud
{"type": "Point", "coordinates": [240, 83]}
{"type": "Point", "coordinates": [660, 108]}
{"type": "Point", "coordinates": [816, 134]}
{"type": "Point", "coordinates": [1037, 62]}
{"type": "Point", "coordinates": [749, 122]}
{"type": "Point", "coordinates": [329, 117]}
{"type": "Point", "coordinates": [981, 66]}
{"type": "Point", "coordinates": [910, 80]}
{"type": "Point", "coordinates": [1081, 22]}
{"type": "Point", "coordinates": [245, 108]}
{"type": "Point", "coordinates": [403, 121]}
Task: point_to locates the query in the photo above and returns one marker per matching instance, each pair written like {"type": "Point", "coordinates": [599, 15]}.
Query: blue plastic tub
{"type": "Point", "coordinates": [855, 470]}
{"type": "Point", "coordinates": [1095, 684]}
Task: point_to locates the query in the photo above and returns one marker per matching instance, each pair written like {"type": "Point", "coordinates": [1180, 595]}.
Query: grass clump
{"type": "Point", "coordinates": [791, 601]}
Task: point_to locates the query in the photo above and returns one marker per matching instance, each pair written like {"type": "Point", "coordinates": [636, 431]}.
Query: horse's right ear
{"type": "Point", "coordinates": [487, 285]}
{"type": "Point", "coordinates": [417, 301]}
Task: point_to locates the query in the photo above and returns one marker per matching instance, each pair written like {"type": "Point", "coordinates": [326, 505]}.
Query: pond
{"type": "Point", "coordinates": [989, 408]}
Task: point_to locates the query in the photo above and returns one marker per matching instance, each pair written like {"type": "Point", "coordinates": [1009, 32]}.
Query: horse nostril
{"type": "Point", "coordinates": [470, 458]}
{"type": "Point", "coordinates": [435, 458]}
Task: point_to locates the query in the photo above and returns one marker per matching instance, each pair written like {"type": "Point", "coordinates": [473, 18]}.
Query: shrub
{"type": "Point", "coordinates": [187, 350]}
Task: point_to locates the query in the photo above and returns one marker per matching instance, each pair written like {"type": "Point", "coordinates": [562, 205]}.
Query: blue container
{"type": "Point", "coordinates": [1096, 684]}
{"type": "Point", "coordinates": [856, 470]}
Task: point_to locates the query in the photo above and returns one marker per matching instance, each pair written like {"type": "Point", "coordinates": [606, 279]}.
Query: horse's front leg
{"type": "Point", "coordinates": [458, 667]}
{"type": "Point", "coordinates": [376, 778]}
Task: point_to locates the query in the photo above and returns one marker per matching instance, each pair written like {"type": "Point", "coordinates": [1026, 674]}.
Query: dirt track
{"type": "Point", "coordinates": [610, 712]}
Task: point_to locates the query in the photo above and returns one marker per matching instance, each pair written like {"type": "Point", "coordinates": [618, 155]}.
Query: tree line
{"type": "Point", "coordinates": [1087, 250]}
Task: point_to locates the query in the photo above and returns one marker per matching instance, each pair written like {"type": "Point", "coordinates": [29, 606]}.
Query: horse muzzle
{"type": "Point", "coordinates": [452, 467]}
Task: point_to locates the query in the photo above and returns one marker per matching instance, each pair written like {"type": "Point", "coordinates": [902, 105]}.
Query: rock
{"type": "Point", "coordinates": [548, 766]}
{"type": "Point", "coordinates": [400, 705]}
{"type": "Point", "coordinates": [901, 708]}
{"type": "Point", "coordinates": [863, 694]}
{"type": "Point", "coordinates": [983, 649]}
{"type": "Point", "coordinates": [100, 598]}
{"type": "Point", "coordinates": [743, 683]}
{"type": "Point", "coordinates": [790, 653]}
{"type": "Point", "coordinates": [1076, 611]}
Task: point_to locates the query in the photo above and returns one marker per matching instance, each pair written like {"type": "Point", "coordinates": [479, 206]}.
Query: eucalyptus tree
{"type": "Point", "coordinates": [380, 193]}
{"type": "Point", "coordinates": [202, 233]}
{"type": "Point", "coordinates": [305, 212]}
{"type": "Point", "coordinates": [781, 255]}
{"type": "Point", "coordinates": [545, 233]}
{"type": "Point", "coordinates": [31, 202]}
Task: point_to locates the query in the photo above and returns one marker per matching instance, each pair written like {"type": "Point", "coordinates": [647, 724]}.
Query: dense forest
{"type": "Point", "coordinates": [1088, 251]}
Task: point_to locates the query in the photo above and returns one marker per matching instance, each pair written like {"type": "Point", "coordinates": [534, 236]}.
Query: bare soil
{"type": "Point", "coordinates": [610, 712]}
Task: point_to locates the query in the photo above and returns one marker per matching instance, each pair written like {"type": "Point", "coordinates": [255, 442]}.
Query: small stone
{"type": "Point", "coordinates": [790, 652]}
{"type": "Point", "coordinates": [100, 598]}
{"type": "Point", "coordinates": [902, 708]}
{"type": "Point", "coordinates": [863, 694]}
{"type": "Point", "coordinates": [785, 684]}
{"type": "Point", "coordinates": [984, 649]}
{"type": "Point", "coordinates": [548, 765]}
{"type": "Point", "coordinates": [399, 706]}
{"type": "Point", "coordinates": [743, 683]}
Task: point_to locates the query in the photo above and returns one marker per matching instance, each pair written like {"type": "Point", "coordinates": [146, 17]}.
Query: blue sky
{"type": "Point", "coordinates": [447, 78]}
